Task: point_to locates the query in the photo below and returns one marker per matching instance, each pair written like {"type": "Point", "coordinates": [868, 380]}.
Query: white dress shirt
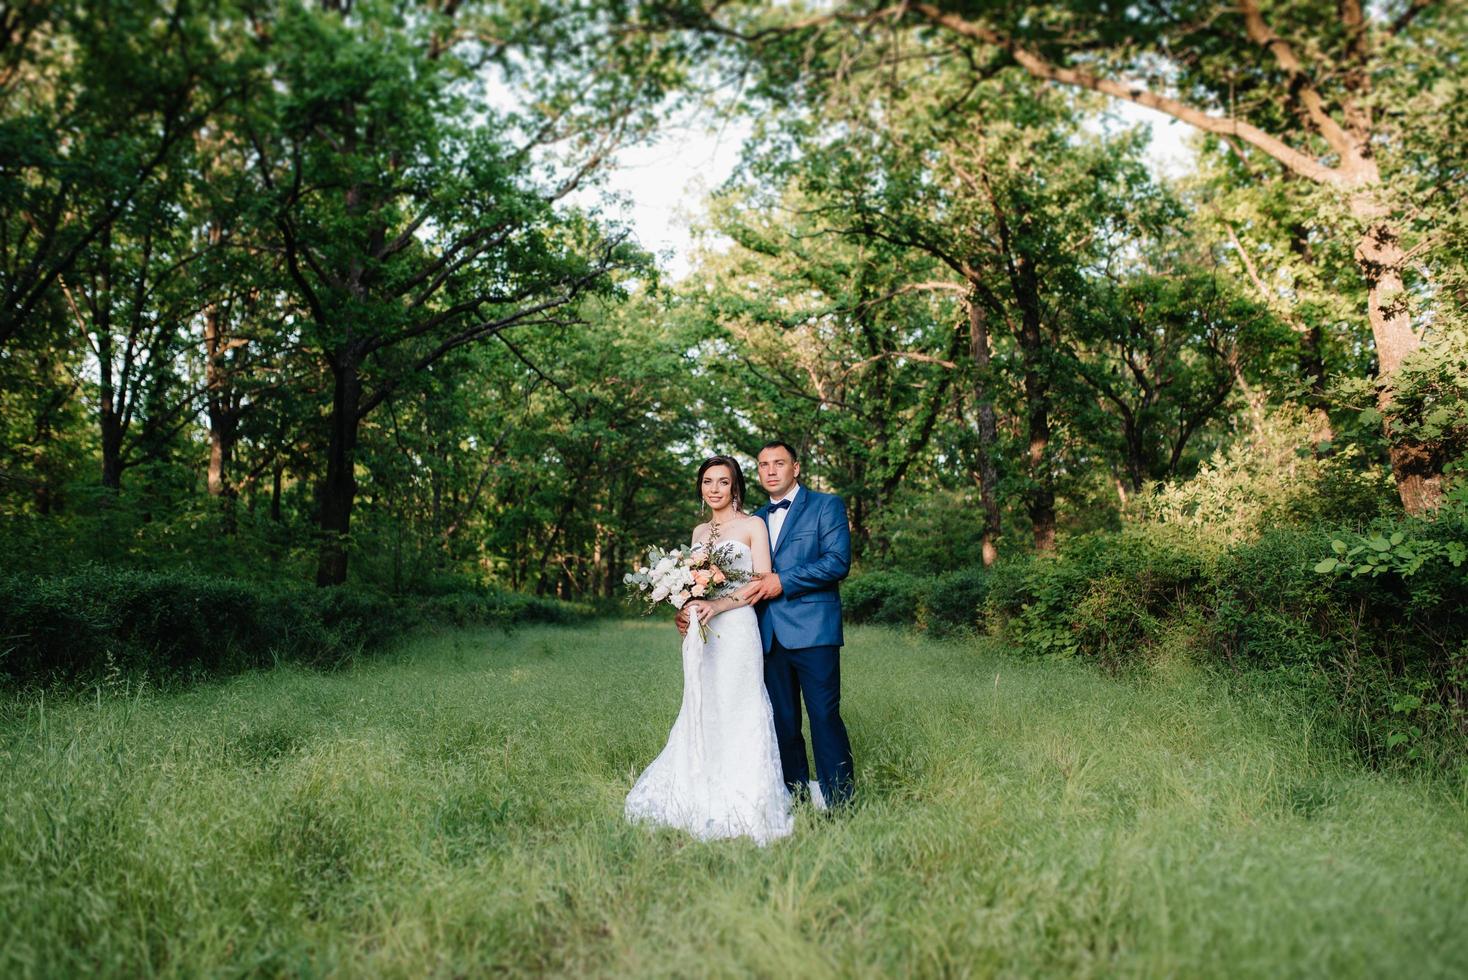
{"type": "Point", "coordinates": [777, 517]}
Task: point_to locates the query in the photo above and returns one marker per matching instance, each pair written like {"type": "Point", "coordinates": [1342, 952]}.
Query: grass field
{"type": "Point", "coordinates": [455, 809]}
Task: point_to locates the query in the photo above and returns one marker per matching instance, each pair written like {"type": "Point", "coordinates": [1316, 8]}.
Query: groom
{"type": "Point", "coordinates": [800, 621]}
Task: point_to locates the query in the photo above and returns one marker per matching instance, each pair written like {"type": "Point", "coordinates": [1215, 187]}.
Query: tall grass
{"type": "Point", "coordinates": [456, 809]}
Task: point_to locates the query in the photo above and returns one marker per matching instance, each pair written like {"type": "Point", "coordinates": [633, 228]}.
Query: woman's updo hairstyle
{"type": "Point", "coordinates": [734, 470]}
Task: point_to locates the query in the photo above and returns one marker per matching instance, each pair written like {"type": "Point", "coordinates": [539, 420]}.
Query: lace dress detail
{"type": "Point", "coordinates": [719, 775]}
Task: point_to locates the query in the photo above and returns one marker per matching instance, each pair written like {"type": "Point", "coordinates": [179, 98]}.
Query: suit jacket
{"type": "Point", "coordinates": [812, 556]}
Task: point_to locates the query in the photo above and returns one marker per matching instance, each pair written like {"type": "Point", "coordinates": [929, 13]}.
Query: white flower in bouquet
{"type": "Point", "coordinates": [678, 576]}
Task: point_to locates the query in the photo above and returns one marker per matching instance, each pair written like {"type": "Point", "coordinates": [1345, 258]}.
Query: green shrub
{"type": "Point", "coordinates": [1102, 596]}
{"type": "Point", "coordinates": [882, 598]}
{"type": "Point", "coordinates": [1268, 609]}
{"type": "Point", "coordinates": [953, 602]}
{"type": "Point", "coordinates": [1403, 589]}
{"type": "Point", "coordinates": [181, 625]}
{"type": "Point", "coordinates": [1388, 647]}
{"type": "Point", "coordinates": [1375, 627]}
{"type": "Point", "coordinates": [1276, 476]}
{"type": "Point", "coordinates": [498, 608]}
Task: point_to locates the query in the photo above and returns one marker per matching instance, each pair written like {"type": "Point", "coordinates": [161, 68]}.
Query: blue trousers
{"type": "Point", "coordinates": [814, 672]}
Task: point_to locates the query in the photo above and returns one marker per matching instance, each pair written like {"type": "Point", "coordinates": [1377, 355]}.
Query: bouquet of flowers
{"type": "Point", "coordinates": [704, 571]}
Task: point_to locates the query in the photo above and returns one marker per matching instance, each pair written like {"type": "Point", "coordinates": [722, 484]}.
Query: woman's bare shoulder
{"type": "Point", "coordinates": [752, 527]}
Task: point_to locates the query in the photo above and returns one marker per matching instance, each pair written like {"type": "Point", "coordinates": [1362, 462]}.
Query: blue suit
{"type": "Point", "coordinates": [801, 632]}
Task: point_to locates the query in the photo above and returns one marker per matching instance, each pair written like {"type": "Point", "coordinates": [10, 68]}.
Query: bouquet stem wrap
{"type": "Point", "coordinates": [693, 644]}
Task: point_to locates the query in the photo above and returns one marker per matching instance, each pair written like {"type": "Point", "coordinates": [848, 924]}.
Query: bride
{"type": "Point", "coordinates": [719, 775]}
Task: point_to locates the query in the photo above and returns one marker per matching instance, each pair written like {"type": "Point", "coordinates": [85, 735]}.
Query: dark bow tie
{"type": "Point", "coordinates": [780, 506]}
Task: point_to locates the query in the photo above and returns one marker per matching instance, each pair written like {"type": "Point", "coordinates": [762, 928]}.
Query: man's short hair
{"type": "Point", "coordinates": [779, 444]}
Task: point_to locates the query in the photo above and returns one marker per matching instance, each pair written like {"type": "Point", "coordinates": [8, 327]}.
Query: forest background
{"type": "Point", "coordinates": [317, 321]}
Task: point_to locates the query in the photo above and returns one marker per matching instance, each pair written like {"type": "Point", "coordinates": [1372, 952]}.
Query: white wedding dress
{"type": "Point", "coordinates": [719, 775]}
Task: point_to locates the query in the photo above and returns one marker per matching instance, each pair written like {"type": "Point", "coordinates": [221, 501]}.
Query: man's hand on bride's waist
{"type": "Point", "coordinates": [766, 586]}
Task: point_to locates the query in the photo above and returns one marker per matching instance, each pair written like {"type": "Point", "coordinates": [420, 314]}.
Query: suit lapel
{"type": "Point", "coordinates": [796, 509]}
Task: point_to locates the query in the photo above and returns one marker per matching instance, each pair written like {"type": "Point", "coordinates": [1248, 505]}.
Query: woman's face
{"type": "Point", "coordinates": [717, 487]}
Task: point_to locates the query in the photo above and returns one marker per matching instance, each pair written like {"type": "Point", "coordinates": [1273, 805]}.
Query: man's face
{"type": "Point", "coordinates": [777, 471]}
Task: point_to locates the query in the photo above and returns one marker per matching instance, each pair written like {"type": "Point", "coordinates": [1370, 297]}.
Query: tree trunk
{"type": "Point", "coordinates": [1312, 364]}
{"type": "Point", "coordinates": [1025, 284]}
{"type": "Point", "coordinates": [436, 513]}
{"type": "Point", "coordinates": [110, 419]}
{"type": "Point", "coordinates": [1136, 454]}
{"type": "Point", "coordinates": [988, 476]}
{"type": "Point", "coordinates": [609, 571]}
{"type": "Point", "coordinates": [541, 583]}
{"type": "Point", "coordinates": [1380, 255]}
{"type": "Point", "coordinates": [109, 397]}
{"type": "Point", "coordinates": [223, 418]}
{"type": "Point", "coordinates": [340, 488]}
{"type": "Point", "coordinates": [221, 454]}
{"type": "Point", "coordinates": [41, 489]}
{"type": "Point", "coordinates": [861, 533]}
{"type": "Point", "coordinates": [1312, 338]}
{"type": "Point", "coordinates": [1041, 503]}
{"type": "Point", "coordinates": [1042, 493]}
{"type": "Point", "coordinates": [397, 552]}
{"type": "Point", "coordinates": [275, 481]}
{"type": "Point", "coordinates": [222, 428]}
{"type": "Point", "coordinates": [593, 584]}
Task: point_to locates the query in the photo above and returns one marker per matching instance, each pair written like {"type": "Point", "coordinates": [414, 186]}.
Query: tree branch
{"type": "Point", "coordinates": [1300, 84]}
{"type": "Point", "coordinates": [1039, 67]}
{"type": "Point", "coordinates": [1405, 18]}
